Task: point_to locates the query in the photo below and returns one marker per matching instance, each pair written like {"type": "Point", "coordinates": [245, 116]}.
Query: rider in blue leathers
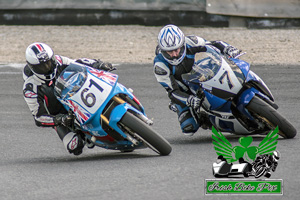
{"type": "Point", "coordinates": [175, 55]}
{"type": "Point", "coordinates": [39, 74]}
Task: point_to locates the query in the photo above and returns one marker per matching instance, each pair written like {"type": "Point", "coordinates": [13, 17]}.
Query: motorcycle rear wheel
{"type": "Point", "coordinates": [263, 109]}
{"type": "Point", "coordinates": [152, 139]}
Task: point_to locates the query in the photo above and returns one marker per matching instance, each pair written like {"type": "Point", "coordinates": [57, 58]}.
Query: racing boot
{"type": "Point", "coordinates": [204, 121]}
{"type": "Point", "coordinates": [73, 143]}
{"type": "Point", "coordinates": [89, 144]}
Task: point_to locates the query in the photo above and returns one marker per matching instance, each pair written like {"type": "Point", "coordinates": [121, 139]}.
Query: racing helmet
{"type": "Point", "coordinates": [171, 38]}
{"type": "Point", "coordinates": [41, 61]}
{"type": "Point", "coordinates": [276, 155]}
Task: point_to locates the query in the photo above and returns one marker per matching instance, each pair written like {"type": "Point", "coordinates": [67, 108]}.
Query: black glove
{"type": "Point", "coordinates": [194, 102]}
{"type": "Point", "coordinates": [64, 119]}
{"type": "Point", "coordinates": [231, 51]}
{"type": "Point", "coordinates": [106, 66]}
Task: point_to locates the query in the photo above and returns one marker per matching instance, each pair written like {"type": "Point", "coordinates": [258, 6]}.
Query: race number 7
{"type": "Point", "coordinates": [90, 99]}
{"type": "Point", "coordinates": [221, 79]}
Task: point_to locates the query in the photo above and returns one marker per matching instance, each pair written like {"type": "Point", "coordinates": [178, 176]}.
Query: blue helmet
{"type": "Point", "coordinates": [171, 38]}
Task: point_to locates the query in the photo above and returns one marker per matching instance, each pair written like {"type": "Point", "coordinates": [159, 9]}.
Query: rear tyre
{"type": "Point", "coordinates": [263, 109]}
{"type": "Point", "coordinates": [147, 134]}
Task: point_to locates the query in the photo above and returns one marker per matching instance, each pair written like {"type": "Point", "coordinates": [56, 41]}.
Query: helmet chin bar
{"type": "Point", "coordinates": [46, 77]}
{"type": "Point", "coordinates": [175, 61]}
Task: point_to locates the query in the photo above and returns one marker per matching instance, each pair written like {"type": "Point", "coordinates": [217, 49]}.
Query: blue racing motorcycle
{"type": "Point", "coordinates": [235, 99]}
{"type": "Point", "coordinates": [106, 113]}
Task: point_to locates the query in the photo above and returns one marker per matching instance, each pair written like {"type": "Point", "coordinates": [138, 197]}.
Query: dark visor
{"type": "Point", "coordinates": [44, 68]}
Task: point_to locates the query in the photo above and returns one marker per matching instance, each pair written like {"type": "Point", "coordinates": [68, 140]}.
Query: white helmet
{"type": "Point", "coordinates": [276, 155]}
{"type": "Point", "coordinates": [41, 60]}
{"type": "Point", "coordinates": [171, 38]}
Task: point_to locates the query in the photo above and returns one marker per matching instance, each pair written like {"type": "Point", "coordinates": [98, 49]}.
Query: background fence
{"type": "Point", "coordinates": [249, 13]}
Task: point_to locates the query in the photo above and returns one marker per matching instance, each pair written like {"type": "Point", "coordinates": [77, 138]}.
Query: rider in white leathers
{"type": "Point", "coordinates": [40, 73]}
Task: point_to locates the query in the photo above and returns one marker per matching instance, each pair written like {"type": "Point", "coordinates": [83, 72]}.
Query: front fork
{"type": "Point", "coordinates": [117, 114]}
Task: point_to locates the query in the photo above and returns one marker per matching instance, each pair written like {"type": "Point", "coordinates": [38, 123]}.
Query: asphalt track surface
{"type": "Point", "coordinates": [35, 165]}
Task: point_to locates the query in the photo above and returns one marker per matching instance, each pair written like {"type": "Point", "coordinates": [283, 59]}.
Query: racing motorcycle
{"type": "Point", "coordinates": [234, 98]}
{"type": "Point", "coordinates": [265, 164]}
{"type": "Point", "coordinates": [106, 114]}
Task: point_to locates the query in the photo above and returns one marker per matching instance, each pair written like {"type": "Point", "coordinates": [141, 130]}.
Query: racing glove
{"type": "Point", "coordinates": [231, 51]}
{"type": "Point", "coordinates": [63, 119]}
{"type": "Point", "coordinates": [194, 102]}
{"type": "Point", "coordinates": [173, 107]}
{"type": "Point", "coordinates": [106, 66]}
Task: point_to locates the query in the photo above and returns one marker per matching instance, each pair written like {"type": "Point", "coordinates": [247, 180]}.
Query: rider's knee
{"type": "Point", "coordinates": [189, 126]}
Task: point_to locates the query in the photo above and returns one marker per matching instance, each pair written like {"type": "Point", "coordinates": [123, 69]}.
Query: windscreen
{"type": "Point", "coordinates": [70, 80]}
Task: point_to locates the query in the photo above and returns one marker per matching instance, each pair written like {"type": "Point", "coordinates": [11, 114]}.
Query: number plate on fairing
{"type": "Point", "coordinates": [224, 84]}
{"type": "Point", "coordinates": [92, 94]}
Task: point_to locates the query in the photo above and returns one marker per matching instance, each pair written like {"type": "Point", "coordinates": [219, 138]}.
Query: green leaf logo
{"type": "Point", "coordinates": [231, 154]}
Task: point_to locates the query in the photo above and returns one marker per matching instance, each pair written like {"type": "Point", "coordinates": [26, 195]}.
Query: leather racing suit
{"type": "Point", "coordinates": [40, 98]}
{"type": "Point", "coordinates": [169, 76]}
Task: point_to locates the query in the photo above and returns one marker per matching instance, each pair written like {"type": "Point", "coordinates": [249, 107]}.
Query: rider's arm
{"type": "Point", "coordinates": [197, 44]}
{"type": "Point", "coordinates": [226, 49]}
{"type": "Point", "coordinates": [97, 64]}
{"type": "Point", "coordinates": [221, 45]}
{"type": "Point", "coordinates": [167, 80]}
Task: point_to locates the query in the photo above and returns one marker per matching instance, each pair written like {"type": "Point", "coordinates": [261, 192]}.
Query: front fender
{"type": "Point", "coordinates": [255, 81]}
{"type": "Point", "coordinates": [245, 98]}
{"type": "Point", "coordinates": [117, 114]}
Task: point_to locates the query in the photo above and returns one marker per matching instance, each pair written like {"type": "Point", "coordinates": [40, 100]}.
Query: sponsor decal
{"type": "Point", "coordinates": [80, 113]}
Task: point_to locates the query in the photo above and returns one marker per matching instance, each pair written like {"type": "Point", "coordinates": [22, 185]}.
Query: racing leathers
{"type": "Point", "coordinates": [46, 109]}
{"type": "Point", "coordinates": [169, 76]}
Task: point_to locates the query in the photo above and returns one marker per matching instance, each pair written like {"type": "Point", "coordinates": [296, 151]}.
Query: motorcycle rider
{"type": "Point", "coordinates": [268, 162]}
{"type": "Point", "coordinates": [39, 74]}
{"type": "Point", "coordinates": [175, 55]}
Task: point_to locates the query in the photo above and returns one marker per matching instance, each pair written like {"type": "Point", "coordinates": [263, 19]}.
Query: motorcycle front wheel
{"type": "Point", "coordinates": [272, 116]}
{"type": "Point", "coordinates": [144, 132]}
{"type": "Point", "coordinates": [260, 170]}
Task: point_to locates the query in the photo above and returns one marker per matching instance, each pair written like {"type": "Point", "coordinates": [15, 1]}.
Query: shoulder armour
{"type": "Point", "coordinates": [27, 72]}
{"type": "Point", "coordinates": [194, 40]}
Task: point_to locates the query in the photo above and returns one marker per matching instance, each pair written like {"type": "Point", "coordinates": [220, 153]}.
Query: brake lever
{"type": "Point", "coordinates": [241, 54]}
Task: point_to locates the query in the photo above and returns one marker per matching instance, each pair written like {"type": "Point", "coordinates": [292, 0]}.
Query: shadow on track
{"type": "Point", "coordinates": [205, 137]}
{"type": "Point", "coordinates": [106, 156]}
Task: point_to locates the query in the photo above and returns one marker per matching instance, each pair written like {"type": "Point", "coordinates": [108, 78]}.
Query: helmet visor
{"type": "Point", "coordinates": [174, 54]}
{"type": "Point", "coordinates": [44, 68]}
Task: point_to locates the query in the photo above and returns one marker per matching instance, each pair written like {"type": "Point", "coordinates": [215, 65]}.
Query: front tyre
{"type": "Point", "coordinates": [270, 115]}
{"type": "Point", "coordinates": [147, 134]}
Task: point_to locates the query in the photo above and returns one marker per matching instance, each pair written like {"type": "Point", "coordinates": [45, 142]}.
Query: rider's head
{"type": "Point", "coordinates": [171, 42]}
{"type": "Point", "coordinates": [276, 155]}
{"type": "Point", "coordinates": [41, 60]}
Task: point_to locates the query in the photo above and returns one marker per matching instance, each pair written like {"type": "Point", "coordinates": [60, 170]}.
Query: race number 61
{"type": "Point", "coordinates": [89, 99]}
